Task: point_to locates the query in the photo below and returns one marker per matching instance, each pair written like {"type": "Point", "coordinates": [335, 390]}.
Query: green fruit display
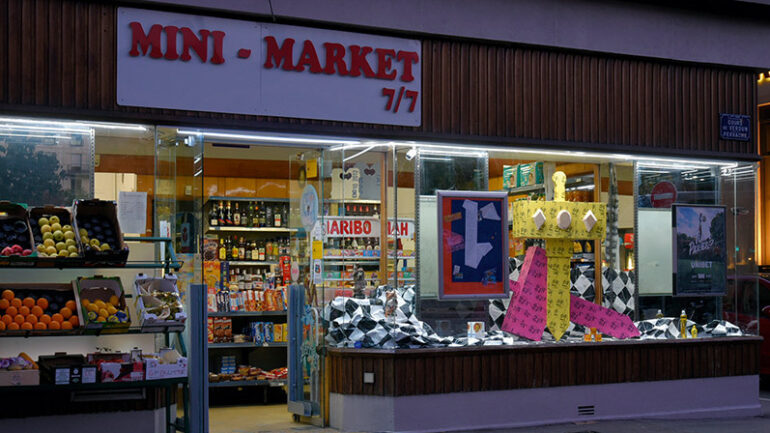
{"type": "Point", "coordinates": [72, 249]}
{"type": "Point", "coordinates": [42, 221]}
{"type": "Point", "coordinates": [75, 254]}
{"type": "Point", "coordinates": [47, 235]}
{"type": "Point", "coordinates": [106, 247]}
{"type": "Point", "coordinates": [70, 242]}
{"type": "Point", "coordinates": [95, 243]}
{"type": "Point", "coordinates": [49, 243]}
{"type": "Point", "coordinates": [41, 248]}
{"type": "Point", "coordinates": [51, 251]}
{"type": "Point", "coordinates": [45, 229]}
{"type": "Point", "coordinates": [64, 253]}
{"type": "Point", "coordinates": [69, 235]}
{"type": "Point", "coordinates": [58, 235]}
{"type": "Point", "coordinates": [61, 246]}
{"type": "Point", "coordinates": [56, 227]}
{"type": "Point", "coordinates": [66, 228]}
{"type": "Point", "coordinates": [54, 219]}
{"type": "Point", "coordinates": [83, 232]}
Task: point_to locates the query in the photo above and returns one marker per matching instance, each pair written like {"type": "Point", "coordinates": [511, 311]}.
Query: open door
{"type": "Point", "coordinates": [307, 387]}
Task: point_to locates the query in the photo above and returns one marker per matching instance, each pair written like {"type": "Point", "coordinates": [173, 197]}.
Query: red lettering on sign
{"type": "Point", "coordinates": [367, 227]}
{"type": "Point", "coordinates": [408, 58]}
{"type": "Point", "coordinates": [335, 56]}
{"type": "Point", "coordinates": [357, 227]}
{"type": "Point", "coordinates": [171, 53]}
{"type": "Point", "coordinates": [358, 61]}
{"type": "Point", "coordinates": [189, 40]}
{"type": "Point", "coordinates": [404, 228]}
{"type": "Point", "coordinates": [149, 41]}
{"type": "Point", "coordinates": [385, 63]}
{"type": "Point", "coordinates": [308, 57]}
{"type": "Point", "coordinates": [278, 55]}
{"type": "Point", "coordinates": [344, 227]}
{"type": "Point", "coordinates": [333, 228]}
{"type": "Point", "coordinates": [219, 42]}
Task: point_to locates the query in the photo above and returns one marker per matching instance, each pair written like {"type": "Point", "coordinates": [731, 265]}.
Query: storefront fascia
{"type": "Point", "coordinates": [475, 102]}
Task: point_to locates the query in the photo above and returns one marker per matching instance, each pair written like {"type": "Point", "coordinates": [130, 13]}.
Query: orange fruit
{"type": "Point", "coordinates": [42, 303]}
{"type": "Point", "coordinates": [16, 302]}
{"type": "Point", "coordinates": [54, 326]}
{"type": "Point", "coordinates": [24, 310]}
{"type": "Point", "coordinates": [19, 319]}
{"type": "Point", "coordinates": [31, 319]}
{"type": "Point", "coordinates": [2, 326]}
{"type": "Point", "coordinates": [8, 294]}
{"type": "Point", "coordinates": [57, 318]}
{"type": "Point", "coordinates": [4, 303]}
{"type": "Point", "coordinates": [66, 313]}
{"type": "Point", "coordinates": [71, 305]}
{"type": "Point", "coordinates": [74, 321]}
{"type": "Point", "coordinates": [40, 326]}
{"type": "Point", "coordinates": [7, 319]}
{"type": "Point", "coordinates": [36, 311]}
{"type": "Point", "coordinates": [45, 318]}
{"type": "Point", "coordinates": [13, 326]}
{"type": "Point", "coordinates": [11, 311]}
{"type": "Point", "coordinates": [66, 325]}
{"type": "Point", "coordinates": [27, 326]}
{"type": "Point", "coordinates": [28, 302]}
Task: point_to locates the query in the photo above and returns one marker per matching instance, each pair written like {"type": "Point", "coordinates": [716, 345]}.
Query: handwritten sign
{"type": "Point", "coordinates": [607, 321]}
{"type": "Point", "coordinates": [526, 315]}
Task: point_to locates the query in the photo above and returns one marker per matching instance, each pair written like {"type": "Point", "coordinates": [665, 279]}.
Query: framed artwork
{"type": "Point", "coordinates": [473, 244]}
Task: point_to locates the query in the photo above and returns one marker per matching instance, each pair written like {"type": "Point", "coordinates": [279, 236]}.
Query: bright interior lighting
{"type": "Point", "coordinates": [33, 135]}
{"type": "Point", "coordinates": [272, 138]}
{"type": "Point", "coordinates": [348, 158]}
{"type": "Point", "coordinates": [43, 129]}
{"type": "Point", "coordinates": [51, 123]}
{"type": "Point", "coordinates": [452, 153]}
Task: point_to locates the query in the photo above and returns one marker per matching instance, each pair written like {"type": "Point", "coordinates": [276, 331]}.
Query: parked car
{"type": "Point", "coordinates": [747, 305]}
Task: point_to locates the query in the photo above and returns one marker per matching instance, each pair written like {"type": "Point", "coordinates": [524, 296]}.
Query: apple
{"type": "Point", "coordinates": [17, 249]}
{"type": "Point", "coordinates": [26, 252]}
{"type": "Point", "coordinates": [7, 251]}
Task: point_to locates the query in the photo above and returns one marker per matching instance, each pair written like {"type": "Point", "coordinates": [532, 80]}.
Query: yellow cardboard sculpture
{"type": "Point", "coordinates": [560, 223]}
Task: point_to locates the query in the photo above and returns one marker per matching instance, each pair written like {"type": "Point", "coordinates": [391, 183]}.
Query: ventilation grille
{"type": "Point", "coordinates": [586, 410]}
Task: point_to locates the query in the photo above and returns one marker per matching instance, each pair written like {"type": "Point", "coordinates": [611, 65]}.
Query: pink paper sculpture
{"type": "Point", "coordinates": [526, 313]}
{"type": "Point", "coordinates": [607, 321]}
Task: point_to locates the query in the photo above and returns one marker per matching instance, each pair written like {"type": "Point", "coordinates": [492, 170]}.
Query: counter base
{"type": "Point", "coordinates": [734, 396]}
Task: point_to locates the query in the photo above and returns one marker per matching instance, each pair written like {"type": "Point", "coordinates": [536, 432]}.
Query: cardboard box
{"type": "Point", "coordinates": [156, 368]}
{"type": "Point", "coordinates": [61, 368]}
{"type": "Point", "coordinates": [65, 218]}
{"type": "Point", "coordinates": [103, 289]}
{"type": "Point", "coordinates": [16, 213]}
{"type": "Point", "coordinates": [19, 377]}
{"type": "Point", "coordinates": [118, 367]}
{"type": "Point", "coordinates": [83, 209]}
{"type": "Point", "coordinates": [151, 293]}
{"type": "Point", "coordinates": [65, 291]}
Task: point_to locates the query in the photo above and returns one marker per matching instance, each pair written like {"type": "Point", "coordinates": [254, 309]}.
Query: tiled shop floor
{"type": "Point", "coordinates": [256, 419]}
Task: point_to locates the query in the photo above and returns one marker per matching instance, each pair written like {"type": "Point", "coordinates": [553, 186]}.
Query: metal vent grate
{"type": "Point", "coordinates": [586, 410]}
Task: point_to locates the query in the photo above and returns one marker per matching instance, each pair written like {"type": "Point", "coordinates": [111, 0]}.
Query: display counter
{"type": "Point", "coordinates": [530, 384]}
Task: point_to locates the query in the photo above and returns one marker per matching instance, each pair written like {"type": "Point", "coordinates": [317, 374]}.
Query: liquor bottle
{"type": "Point", "coordinates": [242, 249]}
{"type": "Point", "coordinates": [229, 249]}
{"type": "Point", "coordinates": [244, 216]}
{"type": "Point", "coordinates": [269, 250]}
{"type": "Point", "coordinates": [276, 250]}
{"type": "Point", "coordinates": [277, 216]}
{"type": "Point", "coordinates": [228, 215]}
{"type": "Point", "coordinates": [250, 216]}
{"type": "Point", "coordinates": [261, 214]}
{"type": "Point", "coordinates": [236, 216]}
{"type": "Point", "coordinates": [222, 249]}
{"type": "Point", "coordinates": [221, 214]}
{"type": "Point", "coordinates": [213, 217]}
{"type": "Point", "coordinates": [268, 216]}
{"type": "Point", "coordinates": [235, 249]}
{"type": "Point", "coordinates": [254, 251]}
{"type": "Point", "coordinates": [262, 251]}
{"type": "Point", "coordinates": [285, 216]}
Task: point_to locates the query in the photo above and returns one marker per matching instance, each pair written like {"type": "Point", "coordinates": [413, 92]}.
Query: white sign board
{"type": "Point", "coordinates": [365, 227]}
{"type": "Point", "coordinates": [132, 212]}
{"type": "Point", "coordinates": [192, 62]}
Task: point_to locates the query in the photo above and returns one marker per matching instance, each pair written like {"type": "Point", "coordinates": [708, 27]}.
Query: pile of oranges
{"type": "Point", "coordinates": [32, 314]}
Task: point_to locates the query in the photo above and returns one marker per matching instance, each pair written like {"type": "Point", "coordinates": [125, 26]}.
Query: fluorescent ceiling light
{"type": "Point", "coordinates": [43, 129]}
{"type": "Point", "coordinates": [5, 134]}
{"type": "Point", "coordinates": [451, 153]}
{"type": "Point", "coordinates": [271, 138]}
{"type": "Point", "coordinates": [34, 123]}
{"type": "Point", "coordinates": [348, 158]}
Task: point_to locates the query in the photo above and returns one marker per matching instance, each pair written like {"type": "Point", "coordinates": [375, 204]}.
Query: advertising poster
{"type": "Point", "coordinates": [473, 234]}
{"type": "Point", "coordinates": [700, 250]}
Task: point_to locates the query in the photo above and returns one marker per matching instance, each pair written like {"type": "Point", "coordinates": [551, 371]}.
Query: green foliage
{"type": "Point", "coordinates": [28, 176]}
